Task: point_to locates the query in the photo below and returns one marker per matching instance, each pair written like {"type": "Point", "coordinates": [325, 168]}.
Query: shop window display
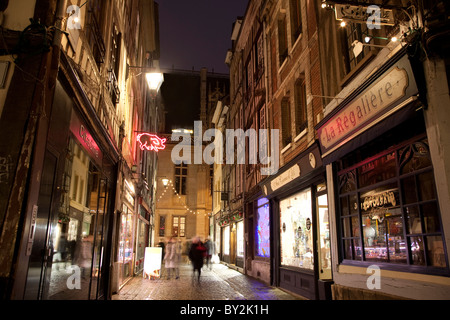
{"type": "Point", "coordinates": [240, 238]}
{"type": "Point", "coordinates": [226, 240]}
{"type": "Point", "coordinates": [296, 234]}
{"type": "Point", "coordinates": [324, 242]}
{"type": "Point", "coordinates": [126, 243]}
{"type": "Point", "coordinates": [262, 232]}
{"type": "Point", "coordinates": [389, 210]}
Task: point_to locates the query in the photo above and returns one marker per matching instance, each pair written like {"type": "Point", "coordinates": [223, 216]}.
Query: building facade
{"type": "Point", "coordinates": [383, 140]}
{"type": "Point", "coordinates": [275, 85]}
{"type": "Point", "coordinates": [70, 182]}
{"type": "Point", "coordinates": [360, 112]}
{"type": "Point", "coordinates": [185, 204]}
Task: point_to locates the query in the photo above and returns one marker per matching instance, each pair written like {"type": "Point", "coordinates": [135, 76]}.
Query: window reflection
{"type": "Point", "coordinates": [77, 236]}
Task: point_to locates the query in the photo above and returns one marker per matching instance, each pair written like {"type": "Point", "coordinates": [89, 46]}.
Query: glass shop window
{"type": "Point", "coordinates": [262, 232]}
{"type": "Point", "coordinates": [389, 210]}
{"type": "Point", "coordinates": [240, 238]}
{"type": "Point", "coordinates": [296, 234]}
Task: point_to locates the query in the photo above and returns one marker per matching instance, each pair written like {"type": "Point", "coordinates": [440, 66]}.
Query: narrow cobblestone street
{"type": "Point", "coordinates": [219, 283]}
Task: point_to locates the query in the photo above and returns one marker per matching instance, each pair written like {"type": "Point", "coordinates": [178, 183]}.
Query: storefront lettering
{"type": "Point", "coordinates": [285, 177]}
{"type": "Point", "coordinates": [360, 111]}
{"type": "Point", "coordinates": [83, 136]}
{"type": "Point", "coordinates": [379, 200]}
{"type": "Point", "coordinates": [87, 138]}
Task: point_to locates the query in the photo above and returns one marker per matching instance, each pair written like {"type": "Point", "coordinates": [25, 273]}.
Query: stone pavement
{"type": "Point", "coordinates": [219, 283]}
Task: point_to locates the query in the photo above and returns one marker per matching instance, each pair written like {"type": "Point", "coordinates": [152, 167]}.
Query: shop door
{"type": "Point", "coordinates": [98, 206]}
{"type": "Point", "coordinates": [233, 244]}
{"type": "Point", "coordinates": [323, 231]}
{"type": "Point", "coordinates": [323, 244]}
{"type": "Point", "coordinates": [41, 253]}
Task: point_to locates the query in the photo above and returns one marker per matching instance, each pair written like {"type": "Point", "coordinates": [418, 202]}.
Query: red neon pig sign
{"type": "Point", "coordinates": [151, 142]}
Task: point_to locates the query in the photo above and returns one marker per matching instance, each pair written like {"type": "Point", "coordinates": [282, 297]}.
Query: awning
{"type": "Point", "coordinates": [403, 114]}
{"type": "Point", "coordinates": [386, 99]}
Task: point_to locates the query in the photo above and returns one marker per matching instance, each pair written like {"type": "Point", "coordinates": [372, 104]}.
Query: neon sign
{"type": "Point", "coordinates": [151, 142]}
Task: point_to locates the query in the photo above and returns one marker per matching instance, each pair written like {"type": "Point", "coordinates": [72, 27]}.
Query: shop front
{"type": "Point", "coordinates": [126, 240]}
{"type": "Point", "coordinates": [143, 235]}
{"type": "Point", "coordinates": [300, 254]}
{"type": "Point", "coordinates": [232, 239]}
{"type": "Point", "coordinates": [387, 209]}
{"type": "Point", "coordinates": [69, 258]}
{"type": "Point", "coordinates": [217, 238]}
{"type": "Point", "coordinates": [258, 238]}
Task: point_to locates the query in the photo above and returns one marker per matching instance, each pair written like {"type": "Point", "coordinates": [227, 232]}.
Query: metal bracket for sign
{"type": "Point", "coordinates": [32, 231]}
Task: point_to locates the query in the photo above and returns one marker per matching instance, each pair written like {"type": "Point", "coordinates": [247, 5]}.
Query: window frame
{"type": "Point", "coordinates": [179, 226]}
{"type": "Point", "coordinates": [180, 185]}
{"type": "Point", "coordinates": [301, 113]}
{"type": "Point", "coordinates": [409, 265]}
{"type": "Point", "coordinates": [283, 47]}
{"type": "Point", "coordinates": [286, 129]}
{"type": "Point", "coordinates": [296, 19]}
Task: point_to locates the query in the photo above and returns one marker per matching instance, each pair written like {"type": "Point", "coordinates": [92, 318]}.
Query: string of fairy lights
{"type": "Point", "coordinates": [170, 184]}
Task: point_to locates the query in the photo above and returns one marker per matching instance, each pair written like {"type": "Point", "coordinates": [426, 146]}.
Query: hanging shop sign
{"type": "Point", "coordinates": [365, 14]}
{"type": "Point", "coordinates": [378, 101]}
{"type": "Point", "coordinates": [151, 142]}
{"type": "Point", "coordinates": [82, 134]}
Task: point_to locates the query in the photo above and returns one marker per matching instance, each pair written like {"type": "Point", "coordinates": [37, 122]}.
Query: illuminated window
{"type": "Point", "coordinates": [389, 210]}
{"type": "Point", "coordinates": [296, 236]}
{"type": "Point", "coordinates": [162, 226]}
{"type": "Point", "coordinates": [262, 232]}
{"type": "Point", "coordinates": [179, 226]}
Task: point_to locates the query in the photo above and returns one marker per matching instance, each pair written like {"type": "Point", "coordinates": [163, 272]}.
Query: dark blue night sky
{"type": "Point", "coordinates": [196, 33]}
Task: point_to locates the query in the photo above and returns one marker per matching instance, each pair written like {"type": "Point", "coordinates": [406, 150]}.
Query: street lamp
{"type": "Point", "coordinates": [165, 181]}
{"type": "Point", "coordinates": [154, 80]}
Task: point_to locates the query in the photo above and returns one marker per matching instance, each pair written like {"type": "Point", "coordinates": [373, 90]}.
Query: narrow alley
{"type": "Point", "coordinates": [217, 283]}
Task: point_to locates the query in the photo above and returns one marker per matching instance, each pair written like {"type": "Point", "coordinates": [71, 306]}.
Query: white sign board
{"type": "Point", "coordinates": [152, 262]}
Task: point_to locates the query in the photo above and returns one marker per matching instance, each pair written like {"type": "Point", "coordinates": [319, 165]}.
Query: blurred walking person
{"type": "Point", "coordinates": [177, 260]}
{"type": "Point", "coordinates": [209, 245]}
{"type": "Point", "coordinates": [83, 255]}
{"type": "Point", "coordinates": [171, 258]}
{"type": "Point", "coordinates": [197, 253]}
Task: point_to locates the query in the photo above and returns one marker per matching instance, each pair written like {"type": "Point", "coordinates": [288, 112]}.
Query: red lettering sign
{"type": "Point", "coordinates": [86, 140]}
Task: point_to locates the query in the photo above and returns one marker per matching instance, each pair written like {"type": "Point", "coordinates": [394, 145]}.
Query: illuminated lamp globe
{"type": "Point", "coordinates": [154, 80]}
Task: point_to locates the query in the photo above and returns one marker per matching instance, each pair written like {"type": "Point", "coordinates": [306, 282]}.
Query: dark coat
{"type": "Point", "coordinates": [196, 255]}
